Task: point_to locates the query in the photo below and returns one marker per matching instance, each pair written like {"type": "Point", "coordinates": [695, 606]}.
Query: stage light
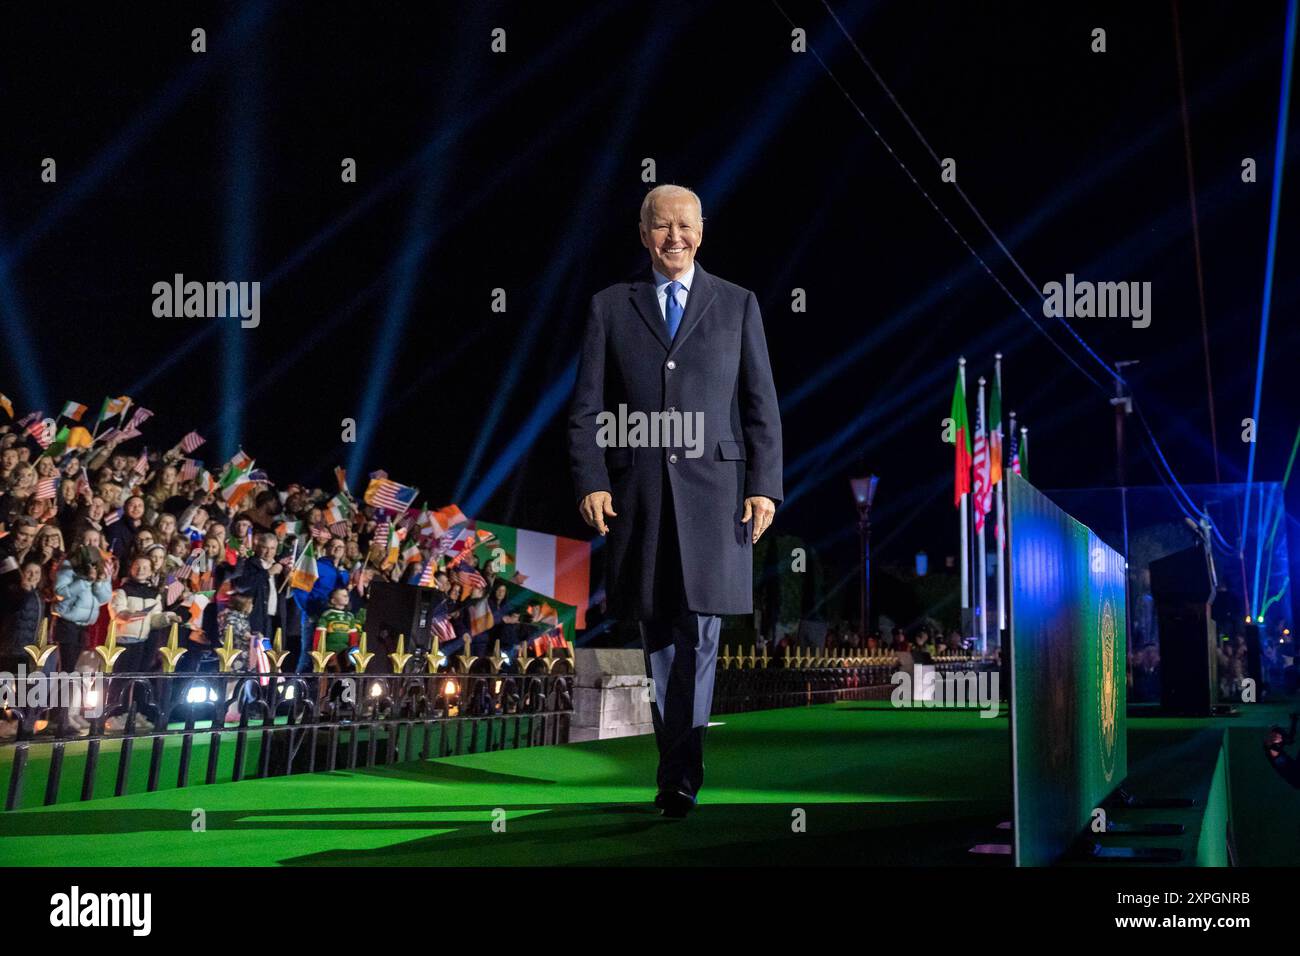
{"type": "Point", "coordinates": [496, 687]}
{"type": "Point", "coordinates": [290, 692]}
{"type": "Point", "coordinates": [1247, 618]}
{"type": "Point", "coordinates": [18, 339]}
{"type": "Point", "coordinates": [376, 689]}
{"type": "Point", "coordinates": [239, 238]}
{"type": "Point", "coordinates": [449, 689]}
{"type": "Point", "coordinates": [1270, 261]}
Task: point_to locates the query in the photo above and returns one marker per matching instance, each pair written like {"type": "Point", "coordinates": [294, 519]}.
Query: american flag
{"type": "Point", "coordinates": [981, 497]}
{"type": "Point", "coordinates": [320, 532]}
{"type": "Point", "coordinates": [339, 529]}
{"type": "Point", "coordinates": [141, 416]}
{"type": "Point", "coordinates": [141, 466]}
{"type": "Point", "coordinates": [175, 587]}
{"type": "Point", "coordinates": [126, 434]}
{"type": "Point", "coordinates": [83, 483]}
{"type": "Point", "coordinates": [442, 628]}
{"type": "Point", "coordinates": [28, 419]}
{"type": "Point", "coordinates": [447, 541]}
{"type": "Point", "coordinates": [112, 517]}
{"type": "Point", "coordinates": [43, 431]}
{"type": "Point", "coordinates": [470, 578]}
{"type": "Point", "coordinates": [258, 661]}
{"type": "Point", "coordinates": [189, 469]}
{"type": "Point", "coordinates": [426, 576]}
{"type": "Point", "coordinates": [390, 495]}
{"type": "Point", "coordinates": [47, 488]}
{"type": "Point", "coordinates": [191, 442]}
{"type": "Point", "coordinates": [1015, 451]}
{"type": "Point", "coordinates": [468, 540]}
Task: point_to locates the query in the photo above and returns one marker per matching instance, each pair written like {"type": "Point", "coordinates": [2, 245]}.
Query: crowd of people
{"type": "Point", "coordinates": [842, 636]}
{"type": "Point", "coordinates": [94, 537]}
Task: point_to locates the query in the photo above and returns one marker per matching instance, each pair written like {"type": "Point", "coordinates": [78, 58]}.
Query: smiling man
{"type": "Point", "coordinates": [681, 528]}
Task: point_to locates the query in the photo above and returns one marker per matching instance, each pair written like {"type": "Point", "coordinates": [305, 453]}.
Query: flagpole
{"type": "Point", "coordinates": [1001, 526]}
{"type": "Point", "coordinates": [980, 564]}
{"type": "Point", "coordinates": [98, 421]}
{"type": "Point", "coordinates": [965, 523]}
{"type": "Point", "coordinates": [293, 561]}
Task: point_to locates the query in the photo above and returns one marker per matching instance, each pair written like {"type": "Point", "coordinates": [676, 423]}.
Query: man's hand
{"type": "Point", "coordinates": [595, 508]}
{"type": "Point", "coordinates": [1273, 742]}
{"type": "Point", "coordinates": [761, 510]}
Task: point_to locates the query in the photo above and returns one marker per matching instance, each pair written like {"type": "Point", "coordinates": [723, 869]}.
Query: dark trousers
{"type": "Point", "coordinates": [71, 639]}
{"type": "Point", "coordinates": [136, 658]}
{"type": "Point", "coordinates": [681, 654]}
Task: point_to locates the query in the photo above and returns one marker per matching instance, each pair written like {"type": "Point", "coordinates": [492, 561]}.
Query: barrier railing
{"type": "Point", "coordinates": [264, 724]}
{"type": "Point", "coordinates": [753, 680]}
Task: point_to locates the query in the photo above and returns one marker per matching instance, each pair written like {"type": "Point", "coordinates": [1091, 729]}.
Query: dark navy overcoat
{"type": "Point", "coordinates": [718, 365]}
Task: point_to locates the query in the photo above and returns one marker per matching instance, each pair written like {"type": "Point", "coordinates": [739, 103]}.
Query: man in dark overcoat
{"type": "Point", "coordinates": [675, 448]}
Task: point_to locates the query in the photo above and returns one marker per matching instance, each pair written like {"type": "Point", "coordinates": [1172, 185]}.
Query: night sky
{"type": "Point", "coordinates": [522, 171]}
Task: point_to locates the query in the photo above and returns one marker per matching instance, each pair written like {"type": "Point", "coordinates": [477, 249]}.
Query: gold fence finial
{"type": "Point", "coordinates": [42, 649]}
{"type": "Point", "coordinates": [172, 651]}
{"type": "Point", "coordinates": [109, 652]}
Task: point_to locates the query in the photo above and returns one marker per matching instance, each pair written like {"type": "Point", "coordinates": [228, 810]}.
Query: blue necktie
{"type": "Point", "coordinates": [673, 309]}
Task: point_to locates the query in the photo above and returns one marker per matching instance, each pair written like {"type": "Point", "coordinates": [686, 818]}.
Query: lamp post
{"type": "Point", "coordinates": [864, 492]}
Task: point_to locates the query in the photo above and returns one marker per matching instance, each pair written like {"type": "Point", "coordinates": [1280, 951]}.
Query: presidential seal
{"type": "Point", "coordinates": [1108, 693]}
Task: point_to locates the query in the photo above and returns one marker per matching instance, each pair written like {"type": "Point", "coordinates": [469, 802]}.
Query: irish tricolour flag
{"type": "Point", "coordinates": [550, 565]}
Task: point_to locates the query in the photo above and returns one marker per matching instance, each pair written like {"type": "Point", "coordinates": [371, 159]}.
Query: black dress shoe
{"type": "Point", "coordinates": [674, 804]}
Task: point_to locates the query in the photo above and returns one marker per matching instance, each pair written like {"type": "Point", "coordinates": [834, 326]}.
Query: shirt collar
{"type": "Point", "coordinates": [686, 280]}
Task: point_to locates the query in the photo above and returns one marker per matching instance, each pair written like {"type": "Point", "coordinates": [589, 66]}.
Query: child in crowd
{"type": "Point", "coordinates": [341, 630]}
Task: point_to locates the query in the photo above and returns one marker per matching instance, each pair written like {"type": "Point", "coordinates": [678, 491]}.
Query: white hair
{"type": "Point", "coordinates": [664, 191]}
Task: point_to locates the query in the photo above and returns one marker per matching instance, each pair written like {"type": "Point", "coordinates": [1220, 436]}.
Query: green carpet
{"type": "Point", "coordinates": [104, 783]}
{"type": "Point", "coordinates": [873, 784]}
{"type": "Point", "coordinates": [846, 783]}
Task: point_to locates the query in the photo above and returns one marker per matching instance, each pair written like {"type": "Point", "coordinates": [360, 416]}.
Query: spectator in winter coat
{"type": "Point", "coordinates": [121, 533]}
{"type": "Point", "coordinates": [82, 587]}
{"type": "Point", "coordinates": [22, 619]}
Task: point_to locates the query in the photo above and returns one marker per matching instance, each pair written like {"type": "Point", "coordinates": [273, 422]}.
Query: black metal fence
{"type": "Point", "coordinates": [286, 724]}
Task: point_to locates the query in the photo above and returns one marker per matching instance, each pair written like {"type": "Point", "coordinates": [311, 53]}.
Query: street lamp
{"type": "Point", "coordinates": [864, 492]}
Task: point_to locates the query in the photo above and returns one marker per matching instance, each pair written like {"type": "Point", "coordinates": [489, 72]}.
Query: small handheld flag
{"type": "Point", "coordinates": [304, 573]}
{"type": "Point", "coordinates": [389, 495]}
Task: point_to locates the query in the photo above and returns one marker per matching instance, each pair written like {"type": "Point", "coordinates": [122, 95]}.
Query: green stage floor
{"type": "Point", "coordinates": [876, 786]}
